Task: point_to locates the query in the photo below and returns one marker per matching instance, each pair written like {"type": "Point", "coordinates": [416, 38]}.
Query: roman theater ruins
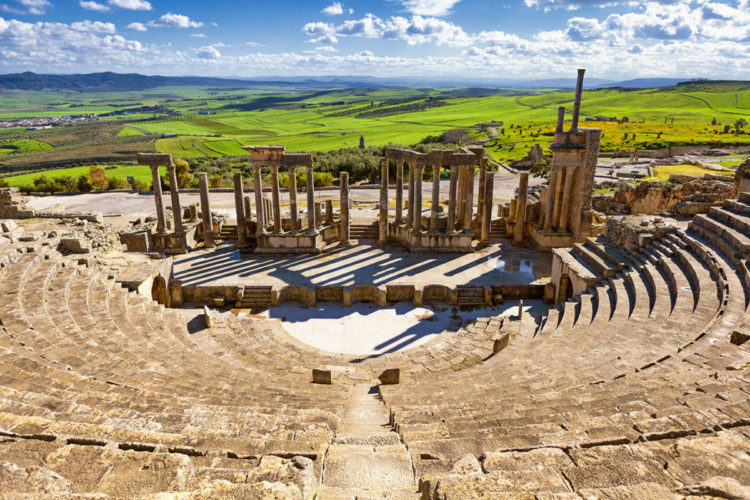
{"type": "Point", "coordinates": [431, 342]}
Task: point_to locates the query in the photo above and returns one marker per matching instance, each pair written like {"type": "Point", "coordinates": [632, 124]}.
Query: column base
{"type": "Point", "coordinates": [282, 243]}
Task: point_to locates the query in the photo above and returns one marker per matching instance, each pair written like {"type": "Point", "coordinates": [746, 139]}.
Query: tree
{"type": "Point", "coordinates": [214, 181]}
{"type": "Point", "coordinates": [541, 168]}
{"type": "Point", "coordinates": [83, 185]}
{"type": "Point", "coordinates": [43, 184]}
{"type": "Point", "coordinates": [99, 179]}
{"type": "Point", "coordinates": [182, 171]}
{"type": "Point", "coordinates": [739, 124]}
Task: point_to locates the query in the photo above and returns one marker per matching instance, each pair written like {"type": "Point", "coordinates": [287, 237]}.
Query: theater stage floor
{"type": "Point", "coordinates": [364, 263]}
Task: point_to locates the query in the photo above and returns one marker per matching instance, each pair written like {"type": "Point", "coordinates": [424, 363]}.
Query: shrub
{"type": "Point", "coordinates": [83, 184]}
{"type": "Point", "coordinates": [115, 183]}
{"type": "Point", "coordinates": [3, 183]}
{"type": "Point", "coordinates": [140, 186]}
{"type": "Point", "coordinates": [98, 177]}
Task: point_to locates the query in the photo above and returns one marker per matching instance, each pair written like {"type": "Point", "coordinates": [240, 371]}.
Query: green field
{"type": "Point", "coordinates": [113, 171]}
{"type": "Point", "coordinates": [213, 123]}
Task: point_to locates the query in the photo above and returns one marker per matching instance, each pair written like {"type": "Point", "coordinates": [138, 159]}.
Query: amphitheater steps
{"type": "Point", "coordinates": [471, 295]}
{"type": "Point", "coordinates": [364, 231]}
{"type": "Point", "coordinates": [498, 229]}
{"type": "Point", "coordinates": [228, 232]}
{"type": "Point", "coordinates": [726, 237]}
{"type": "Point", "coordinates": [590, 256]}
{"type": "Point", "coordinates": [366, 459]}
{"type": "Point", "coordinates": [255, 297]}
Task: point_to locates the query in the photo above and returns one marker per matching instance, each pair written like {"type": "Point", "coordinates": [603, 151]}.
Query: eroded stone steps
{"type": "Point", "coordinates": [366, 459]}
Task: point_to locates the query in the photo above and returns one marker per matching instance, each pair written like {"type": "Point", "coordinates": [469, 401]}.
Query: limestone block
{"type": "Point", "coordinates": [321, 376]}
{"type": "Point", "coordinates": [8, 225]}
{"type": "Point", "coordinates": [390, 376]}
{"type": "Point", "coordinates": [500, 343]}
{"type": "Point", "coordinates": [74, 245]}
{"type": "Point", "coordinates": [737, 338]}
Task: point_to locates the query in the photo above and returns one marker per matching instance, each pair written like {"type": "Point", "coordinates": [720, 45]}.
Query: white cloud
{"type": "Point", "coordinates": [198, 35]}
{"type": "Point", "coordinates": [335, 9]}
{"type": "Point", "coordinates": [414, 31]}
{"type": "Point", "coordinates": [36, 7]}
{"type": "Point", "coordinates": [137, 27]}
{"type": "Point", "coordinates": [93, 27]}
{"type": "Point", "coordinates": [170, 20]}
{"type": "Point", "coordinates": [577, 4]}
{"type": "Point", "coordinates": [429, 7]}
{"type": "Point", "coordinates": [208, 52]}
{"type": "Point", "coordinates": [95, 6]}
{"type": "Point", "coordinates": [131, 4]}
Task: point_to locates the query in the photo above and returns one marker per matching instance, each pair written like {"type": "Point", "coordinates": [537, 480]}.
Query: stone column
{"type": "Point", "coordinates": [174, 193]}
{"type": "Point", "coordinates": [468, 211]}
{"type": "Point", "coordinates": [399, 192]}
{"type": "Point", "coordinates": [451, 226]}
{"type": "Point", "coordinates": [383, 222]}
{"type": "Point", "coordinates": [482, 180]}
{"type": "Point", "coordinates": [489, 181]}
{"type": "Point", "coordinates": [318, 215]}
{"type": "Point", "coordinates": [248, 215]}
{"type": "Point", "coordinates": [410, 206]}
{"type": "Point", "coordinates": [260, 216]}
{"type": "Point", "coordinates": [550, 201]}
{"type": "Point", "coordinates": [276, 199]}
{"type": "Point", "coordinates": [345, 220]}
{"type": "Point", "coordinates": [435, 198]}
{"type": "Point", "coordinates": [329, 212]}
{"type": "Point", "coordinates": [161, 216]}
{"type": "Point", "coordinates": [293, 198]}
{"type": "Point", "coordinates": [208, 225]}
{"type": "Point", "coordinates": [518, 229]}
{"type": "Point", "coordinates": [556, 197]}
{"type": "Point", "coordinates": [567, 193]}
{"type": "Point", "coordinates": [239, 205]}
{"type": "Point", "coordinates": [310, 200]}
{"type": "Point", "coordinates": [460, 199]}
{"type": "Point", "coordinates": [417, 210]}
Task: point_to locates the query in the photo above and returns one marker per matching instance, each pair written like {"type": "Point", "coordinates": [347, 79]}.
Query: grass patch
{"type": "Point", "coordinates": [663, 173]}
{"type": "Point", "coordinates": [142, 173]}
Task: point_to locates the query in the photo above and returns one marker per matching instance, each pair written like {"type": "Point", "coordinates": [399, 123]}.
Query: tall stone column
{"type": "Point", "coordinates": [293, 198]}
{"type": "Point", "coordinates": [489, 181]}
{"type": "Point", "coordinates": [383, 222]}
{"type": "Point", "coordinates": [399, 192]}
{"type": "Point", "coordinates": [239, 205]}
{"type": "Point", "coordinates": [417, 223]}
{"type": "Point", "coordinates": [481, 194]}
{"type": "Point", "coordinates": [276, 199]}
{"type": "Point", "coordinates": [567, 193]}
{"type": "Point", "coordinates": [161, 216]}
{"type": "Point", "coordinates": [208, 225]}
{"type": "Point", "coordinates": [451, 226]}
{"type": "Point", "coordinates": [259, 209]}
{"type": "Point", "coordinates": [248, 214]}
{"type": "Point", "coordinates": [410, 206]}
{"type": "Point", "coordinates": [174, 193]}
{"type": "Point", "coordinates": [435, 198]}
{"type": "Point", "coordinates": [329, 212]}
{"type": "Point", "coordinates": [460, 194]}
{"type": "Point", "coordinates": [344, 223]}
{"type": "Point", "coordinates": [557, 195]}
{"type": "Point", "coordinates": [468, 211]}
{"type": "Point", "coordinates": [310, 200]}
{"type": "Point", "coordinates": [550, 201]}
{"type": "Point", "coordinates": [519, 228]}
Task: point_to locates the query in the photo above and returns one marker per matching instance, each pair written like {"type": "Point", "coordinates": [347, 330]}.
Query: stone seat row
{"type": "Point", "coordinates": [267, 344]}
{"type": "Point", "coordinates": [680, 289]}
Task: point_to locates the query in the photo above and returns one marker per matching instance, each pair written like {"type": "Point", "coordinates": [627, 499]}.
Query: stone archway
{"type": "Point", "coordinates": [160, 292]}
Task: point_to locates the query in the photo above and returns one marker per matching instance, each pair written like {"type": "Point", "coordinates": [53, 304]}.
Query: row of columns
{"type": "Point", "coordinates": [460, 197]}
{"type": "Point", "coordinates": [559, 192]}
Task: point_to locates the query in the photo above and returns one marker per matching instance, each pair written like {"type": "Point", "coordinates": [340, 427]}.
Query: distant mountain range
{"type": "Point", "coordinates": [109, 82]}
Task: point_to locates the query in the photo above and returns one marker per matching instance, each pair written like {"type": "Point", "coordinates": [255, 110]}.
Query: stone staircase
{"type": "Point", "coordinates": [470, 295]}
{"type": "Point", "coordinates": [366, 458]}
{"type": "Point", "coordinates": [498, 229]}
{"type": "Point", "coordinates": [228, 232]}
{"type": "Point", "coordinates": [255, 297]}
{"type": "Point", "coordinates": [364, 231]}
{"type": "Point", "coordinates": [727, 227]}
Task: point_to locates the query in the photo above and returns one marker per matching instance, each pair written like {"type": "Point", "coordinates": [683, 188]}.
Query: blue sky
{"type": "Point", "coordinates": [478, 38]}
